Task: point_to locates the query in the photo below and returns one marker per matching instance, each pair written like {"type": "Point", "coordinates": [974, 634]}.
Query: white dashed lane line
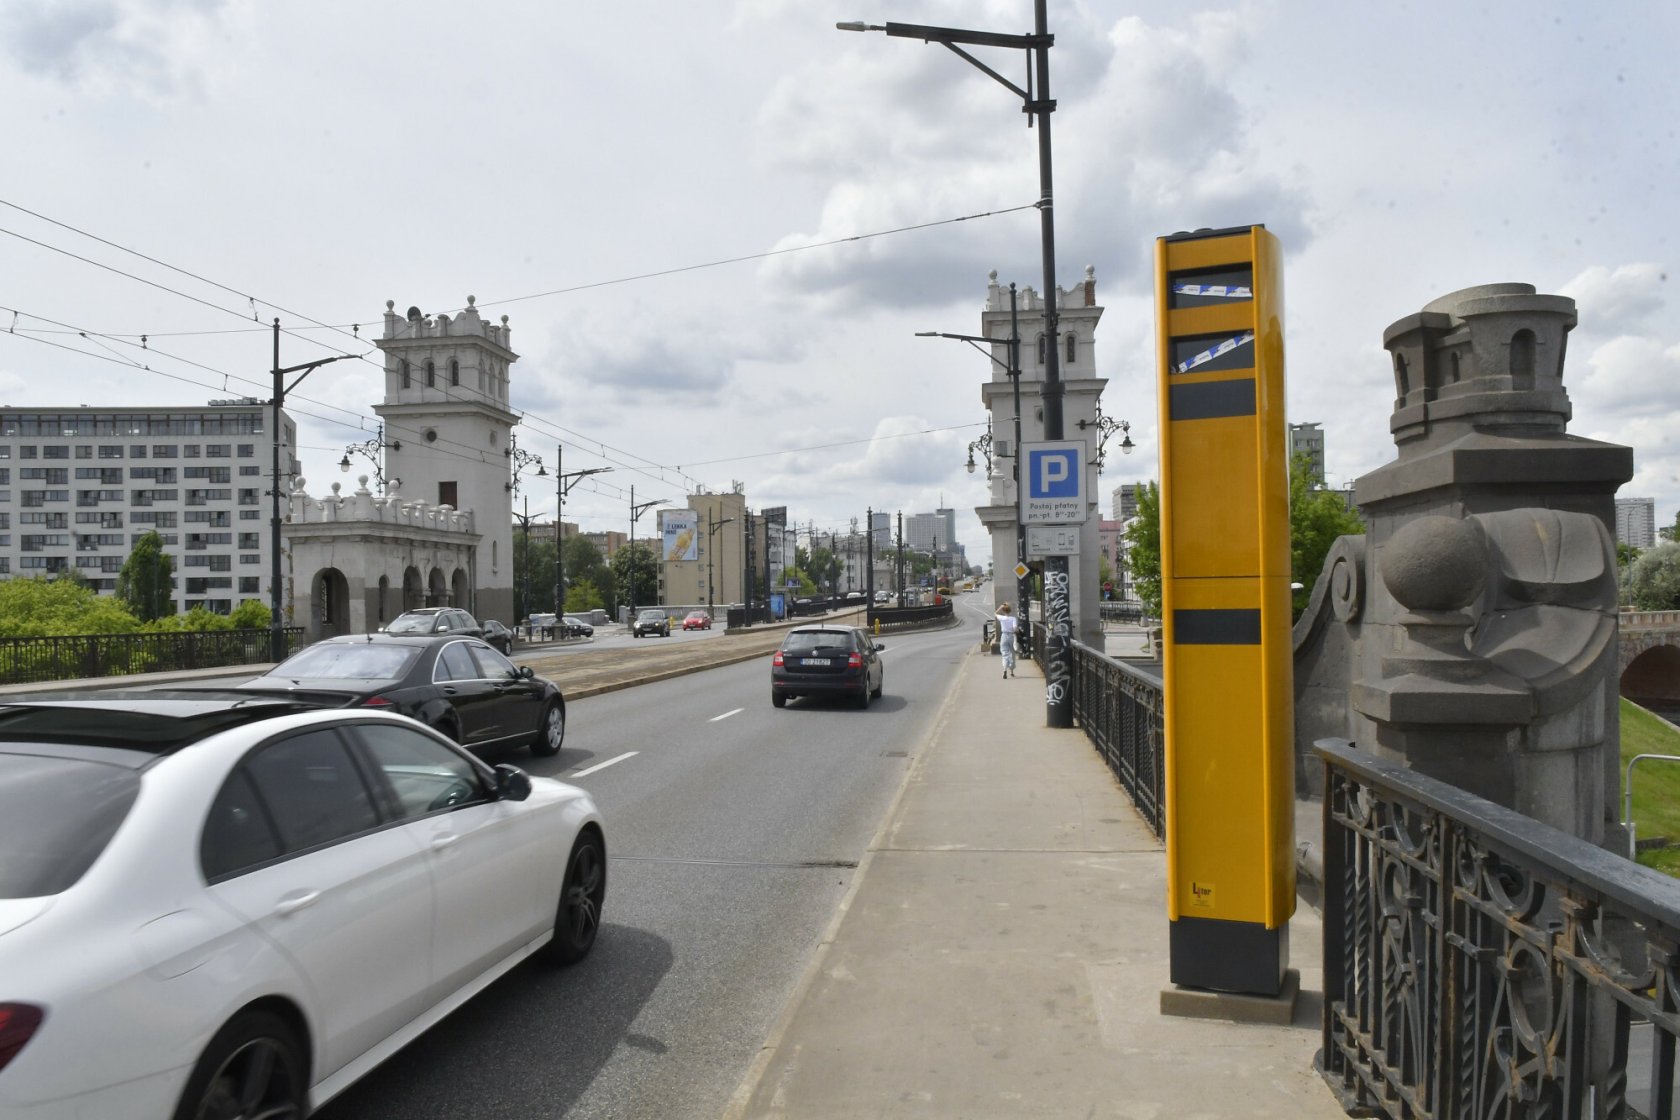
{"type": "Point", "coordinates": [726, 715]}
{"type": "Point", "coordinates": [607, 763]}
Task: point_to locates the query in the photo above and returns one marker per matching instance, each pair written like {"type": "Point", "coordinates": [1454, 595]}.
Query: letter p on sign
{"type": "Point", "coordinates": [1056, 474]}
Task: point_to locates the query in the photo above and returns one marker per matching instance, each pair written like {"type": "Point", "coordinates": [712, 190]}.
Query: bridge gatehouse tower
{"type": "Point", "coordinates": [448, 429]}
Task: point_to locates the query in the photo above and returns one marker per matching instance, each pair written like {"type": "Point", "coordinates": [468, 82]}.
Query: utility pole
{"type": "Point", "coordinates": [276, 622]}
{"type": "Point", "coordinates": [564, 482]}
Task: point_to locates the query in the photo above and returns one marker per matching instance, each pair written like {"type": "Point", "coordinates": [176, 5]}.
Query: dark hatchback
{"type": "Point", "coordinates": [456, 684]}
{"type": "Point", "coordinates": [827, 661]}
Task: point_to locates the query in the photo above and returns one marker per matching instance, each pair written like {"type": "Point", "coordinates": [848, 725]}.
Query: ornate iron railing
{"type": "Point", "coordinates": [39, 660]}
{"type": "Point", "coordinates": [1121, 709]}
{"type": "Point", "coordinates": [1480, 964]}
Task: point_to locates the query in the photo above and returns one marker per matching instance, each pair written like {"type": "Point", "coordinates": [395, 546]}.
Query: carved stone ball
{"type": "Point", "coordinates": [1435, 564]}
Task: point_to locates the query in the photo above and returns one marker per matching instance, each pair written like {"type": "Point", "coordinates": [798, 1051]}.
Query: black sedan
{"type": "Point", "coordinates": [499, 636]}
{"type": "Point", "coordinates": [827, 661]}
{"type": "Point", "coordinates": [458, 685]}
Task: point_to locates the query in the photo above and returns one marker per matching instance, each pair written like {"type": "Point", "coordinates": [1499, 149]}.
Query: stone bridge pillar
{"type": "Point", "coordinates": [1471, 633]}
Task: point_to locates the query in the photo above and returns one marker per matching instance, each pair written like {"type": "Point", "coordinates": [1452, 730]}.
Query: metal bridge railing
{"type": "Point", "coordinates": [1121, 709]}
{"type": "Point", "coordinates": [1481, 964]}
{"type": "Point", "coordinates": [41, 660]}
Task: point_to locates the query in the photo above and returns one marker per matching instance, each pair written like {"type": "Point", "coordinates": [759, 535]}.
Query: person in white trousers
{"type": "Point", "coordinates": [1006, 622]}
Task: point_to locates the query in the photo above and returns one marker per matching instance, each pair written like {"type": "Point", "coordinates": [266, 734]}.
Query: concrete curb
{"type": "Point", "coordinates": [742, 1097]}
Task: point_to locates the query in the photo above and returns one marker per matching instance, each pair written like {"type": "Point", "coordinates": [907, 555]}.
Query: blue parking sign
{"type": "Point", "coordinates": [1054, 493]}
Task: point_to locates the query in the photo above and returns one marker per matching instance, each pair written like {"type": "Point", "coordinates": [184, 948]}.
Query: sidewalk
{"type": "Point", "coordinates": [1003, 950]}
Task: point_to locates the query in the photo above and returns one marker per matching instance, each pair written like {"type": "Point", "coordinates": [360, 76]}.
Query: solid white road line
{"type": "Point", "coordinates": [726, 715]}
{"type": "Point", "coordinates": [604, 765]}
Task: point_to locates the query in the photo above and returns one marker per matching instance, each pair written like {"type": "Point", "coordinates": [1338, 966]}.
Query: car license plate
{"type": "Point", "coordinates": [823, 661]}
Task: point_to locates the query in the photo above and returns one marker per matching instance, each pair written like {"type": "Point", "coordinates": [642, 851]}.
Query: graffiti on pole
{"type": "Point", "coordinates": [1058, 623]}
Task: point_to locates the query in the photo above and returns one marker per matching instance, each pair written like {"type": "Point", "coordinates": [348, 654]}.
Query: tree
{"type": "Point", "coordinates": [1143, 548]}
{"type": "Point", "coordinates": [147, 579]}
{"type": "Point", "coordinates": [1654, 580]}
{"type": "Point", "coordinates": [582, 596]}
{"type": "Point", "coordinates": [251, 615]}
{"type": "Point", "coordinates": [1316, 518]}
{"type": "Point", "coordinates": [39, 607]}
{"type": "Point", "coordinates": [636, 574]}
{"type": "Point", "coordinates": [583, 564]}
{"type": "Point", "coordinates": [1671, 532]}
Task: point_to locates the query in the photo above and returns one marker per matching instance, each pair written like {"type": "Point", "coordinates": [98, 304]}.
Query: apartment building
{"type": "Point", "coordinates": [80, 486]}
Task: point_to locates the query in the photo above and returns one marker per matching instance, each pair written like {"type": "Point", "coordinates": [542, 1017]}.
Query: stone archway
{"type": "Point", "coordinates": [413, 595]}
{"type": "Point", "coordinates": [459, 592]}
{"type": "Point", "coordinates": [382, 608]}
{"type": "Point", "coordinates": [1652, 679]}
{"type": "Point", "coordinates": [437, 592]}
{"type": "Point", "coordinates": [329, 597]}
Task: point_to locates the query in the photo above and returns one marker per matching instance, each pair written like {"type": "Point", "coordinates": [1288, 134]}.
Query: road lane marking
{"type": "Point", "coordinates": [604, 765]}
{"type": "Point", "coordinates": [726, 715]}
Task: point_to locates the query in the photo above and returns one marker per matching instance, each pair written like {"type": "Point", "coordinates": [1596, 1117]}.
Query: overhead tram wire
{"type": "Point", "coordinates": [253, 300]}
{"type": "Point", "coordinates": [753, 256]}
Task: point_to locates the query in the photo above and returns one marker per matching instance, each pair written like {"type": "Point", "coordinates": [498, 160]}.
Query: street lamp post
{"type": "Point", "coordinates": [521, 461]}
{"type": "Point", "coordinates": [564, 482]}
{"type": "Point", "coordinates": [711, 532]}
{"type": "Point", "coordinates": [277, 630]}
{"type": "Point", "coordinates": [1037, 103]}
{"type": "Point", "coordinates": [636, 511]}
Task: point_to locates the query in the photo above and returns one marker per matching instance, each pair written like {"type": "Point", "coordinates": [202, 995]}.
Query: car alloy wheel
{"type": "Point", "coordinates": [551, 731]}
{"type": "Point", "coordinates": [578, 919]}
{"type": "Point", "coordinates": [252, 1068]}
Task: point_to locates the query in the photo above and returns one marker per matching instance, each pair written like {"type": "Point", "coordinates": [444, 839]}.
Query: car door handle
{"type": "Point", "coordinates": [296, 901]}
{"type": "Point", "coordinates": [443, 840]}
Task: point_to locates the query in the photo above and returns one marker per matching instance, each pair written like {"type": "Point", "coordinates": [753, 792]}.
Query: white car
{"type": "Point", "coordinates": [217, 909]}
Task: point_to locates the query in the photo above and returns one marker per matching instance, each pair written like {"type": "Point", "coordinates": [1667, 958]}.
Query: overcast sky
{"type": "Point", "coordinates": [583, 169]}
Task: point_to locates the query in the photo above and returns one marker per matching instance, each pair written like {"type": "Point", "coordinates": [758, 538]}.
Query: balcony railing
{"type": "Point", "coordinates": [1481, 964]}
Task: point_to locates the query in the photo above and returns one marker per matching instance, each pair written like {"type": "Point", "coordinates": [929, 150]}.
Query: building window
{"type": "Point", "coordinates": [84, 451]}
{"type": "Point", "coordinates": [1070, 348]}
{"type": "Point", "coordinates": [247, 451]}
{"type": "Point", "coordinates": [1041, 352]}
{"type": "Point", "coordinates": [454, 372]}
{"type": "Point", "coordinates": [402, 372]}
{"type": "Point", "coordinates": [431, 375]}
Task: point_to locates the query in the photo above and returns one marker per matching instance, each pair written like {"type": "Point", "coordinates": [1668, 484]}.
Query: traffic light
{"type": "Point", "coordinates": [1225, 574]}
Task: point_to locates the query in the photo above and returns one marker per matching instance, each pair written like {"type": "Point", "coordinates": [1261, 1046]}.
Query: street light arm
{"type": "Point", "coordinates": [577, 477]}
{"type": "Point", "coordinates": [974, 340]}
{"type": "Point", "coordinates": [307, 368]}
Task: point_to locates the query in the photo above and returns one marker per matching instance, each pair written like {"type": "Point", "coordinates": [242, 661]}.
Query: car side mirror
{"type": "Point", "coordinates": [512, 783]}
{"type": "Point", "coordinates": [526, 672]}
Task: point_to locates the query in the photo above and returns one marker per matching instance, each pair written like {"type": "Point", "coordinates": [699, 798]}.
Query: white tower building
{"type": "Point", "coordinates": [448, 428]}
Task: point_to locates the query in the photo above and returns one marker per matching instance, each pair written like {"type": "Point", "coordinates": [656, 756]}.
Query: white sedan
{"type": "Point", "coordinates": [213, 909]}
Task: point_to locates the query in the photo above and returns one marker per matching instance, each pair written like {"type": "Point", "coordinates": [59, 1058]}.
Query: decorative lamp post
{"type": "Point", "coordinates": [373, 451]}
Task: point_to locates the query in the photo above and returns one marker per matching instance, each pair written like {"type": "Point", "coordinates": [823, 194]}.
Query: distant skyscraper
{"type": "Point", "coordinates": [1636, 521]}
{"type": "Point", "coordinates": [1124, 499]}
{"type": "Point", "coordinates": [1307, 438]}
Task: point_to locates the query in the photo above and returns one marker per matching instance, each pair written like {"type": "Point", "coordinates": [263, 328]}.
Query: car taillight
{"type": "Point", "coordinates": [379, 702]}
{"type": "Point", "coordinates": [778, 659]}
{"type": "Point", "coordinates": [854, 661]}
{"type": "Point", "coordinates": [18, 1023]}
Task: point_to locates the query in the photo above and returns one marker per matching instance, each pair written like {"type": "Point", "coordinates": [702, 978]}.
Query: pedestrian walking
{"type": "Point", "coordinates": [1006, 621]}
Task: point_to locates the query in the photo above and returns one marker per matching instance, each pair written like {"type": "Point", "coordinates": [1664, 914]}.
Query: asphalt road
{"type": "Point", "coordinates": [733, 832]}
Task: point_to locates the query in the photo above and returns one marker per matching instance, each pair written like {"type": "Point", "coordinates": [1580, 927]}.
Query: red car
{"type": "Point", "coordinates": [697, 620]}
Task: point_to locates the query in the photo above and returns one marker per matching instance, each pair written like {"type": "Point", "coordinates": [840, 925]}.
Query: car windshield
{"type": "Point", "coordinates": [412, 624]}
{"type": "Point", "coordinates": [653, 616]}
{"type": "Point", "coordinates": [56, 816]}
{"type": "Point", "coordinates": [347, 661]}
{"type": "Point", "coordinates": [802, 640]}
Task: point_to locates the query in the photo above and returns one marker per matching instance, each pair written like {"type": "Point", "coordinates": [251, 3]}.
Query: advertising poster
{"type": "Point", "coordinates": [681, 535]}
